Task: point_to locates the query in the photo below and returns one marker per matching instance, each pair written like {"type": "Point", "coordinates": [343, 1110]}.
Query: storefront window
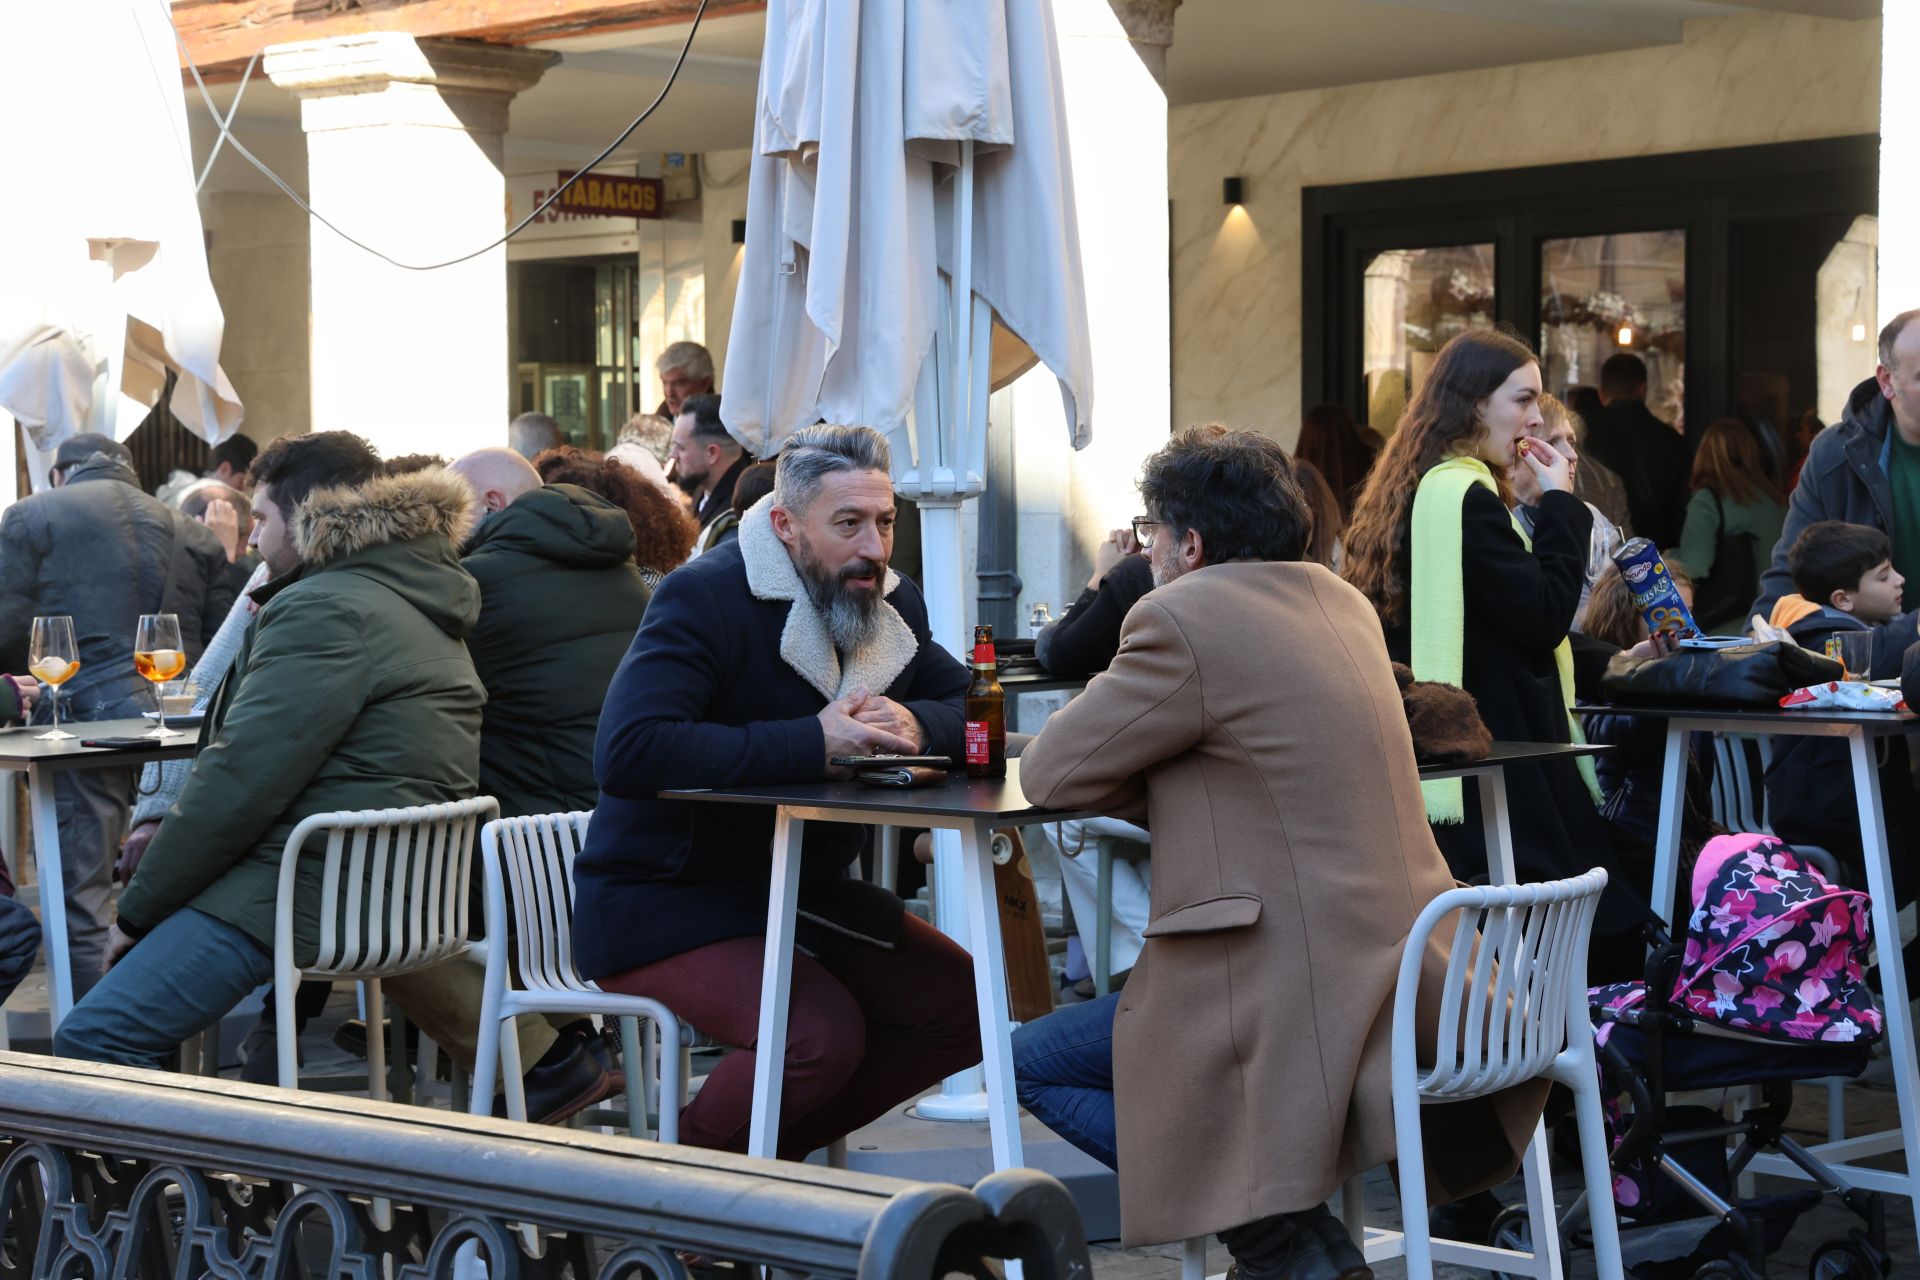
{"type": "Point", "coordinates": [1604, 294]}
{"type": "Point", "coordinates": [1415, 300]}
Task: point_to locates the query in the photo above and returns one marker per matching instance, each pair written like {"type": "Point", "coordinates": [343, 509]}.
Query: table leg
{"type": "Point", "coordinates": [1886, 933]}
{"type": "Point", "coordinates": [962, 1097]}
{"type": "Point", "coordinates": [1498, 827]}
{"type": "Point", "coordinates": [52, 875]}
{"type": "Point", "coordinates": [990, 991]}
{"type": "Point", "coordinates": [1666, 844]}
{"type": "Point", "coordinates": [776, 984]}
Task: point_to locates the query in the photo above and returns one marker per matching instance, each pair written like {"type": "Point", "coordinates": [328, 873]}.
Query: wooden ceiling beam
{"type": "Point", "coordinates": [222, 34]}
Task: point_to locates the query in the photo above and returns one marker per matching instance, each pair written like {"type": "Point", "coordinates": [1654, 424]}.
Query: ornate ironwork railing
{"type": "Point", "coordinates": [114, 1172]}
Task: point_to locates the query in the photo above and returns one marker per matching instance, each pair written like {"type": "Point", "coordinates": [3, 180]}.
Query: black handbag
{"type": "Point", "coordinates": [1757, 674]}
{"type": "Point", "coordinates": [1722, 597]}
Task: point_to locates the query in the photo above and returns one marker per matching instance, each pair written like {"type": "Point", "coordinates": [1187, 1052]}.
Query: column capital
{"type": "Point", "coordinates": [390, 77]}
{"type": "Point", "coordinates": [1148, 22]}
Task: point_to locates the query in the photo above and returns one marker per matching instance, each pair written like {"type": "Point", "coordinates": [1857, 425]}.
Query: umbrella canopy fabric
{"type": "Point", "coordinates": [105, 263]}
{"type": "Point", "coordinates": [852, 229]}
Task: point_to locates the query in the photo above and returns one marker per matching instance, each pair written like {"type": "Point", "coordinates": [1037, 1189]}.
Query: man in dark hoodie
{"type": "Point", "coordinates": [352, 690]}
{"type": "Point", "coordinates": [97, 548]}
{"type": "Point", "coordinates": [1865, 470]}
{"type": "Point", "coordinates": [560, 601]}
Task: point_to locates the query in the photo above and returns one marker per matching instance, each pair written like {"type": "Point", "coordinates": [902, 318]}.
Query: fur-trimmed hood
{"type": "Point", "coordinates": [806, 644]}
{"type": "Point", "coordinates": [402, 532]}
{"type": "Point", "coordinates": [333, 523]}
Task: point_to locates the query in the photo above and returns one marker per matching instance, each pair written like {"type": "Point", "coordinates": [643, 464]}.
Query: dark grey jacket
{"type": "Point", "coordinates": [102, 550]}
{"type": "Point", "coordinates": [1844, 478]}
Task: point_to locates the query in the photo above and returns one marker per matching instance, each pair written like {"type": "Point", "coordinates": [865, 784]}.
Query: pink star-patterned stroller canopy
{"type": "Point", "coordinates": [1773, 949]}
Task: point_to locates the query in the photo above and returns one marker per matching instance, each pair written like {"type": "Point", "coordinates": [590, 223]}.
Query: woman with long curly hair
{"type": "Point", "coordinates": [1467, 598]}
{"type": "Point", "coordinates": [663, 533]}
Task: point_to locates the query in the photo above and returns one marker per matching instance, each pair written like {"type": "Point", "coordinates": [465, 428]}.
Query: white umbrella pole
{"type": "Point", "coordinates": [943, 574]}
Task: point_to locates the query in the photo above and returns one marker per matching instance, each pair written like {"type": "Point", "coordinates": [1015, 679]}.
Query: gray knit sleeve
{"type": "Point", "coordinates": [160, 782]}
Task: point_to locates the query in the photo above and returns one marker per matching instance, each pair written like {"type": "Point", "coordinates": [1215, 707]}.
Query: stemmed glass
{"type": "Point", "coordinates": [53, 658]}
{"type": "Point", "coordinates": [158, 657]}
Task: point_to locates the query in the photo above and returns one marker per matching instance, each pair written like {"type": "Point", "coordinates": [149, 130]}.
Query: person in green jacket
{"type": "Point", "coordinates": [560, 599]}
{"type": "Point", "coordinates": [1732, 523]}
{"type": "Point", "coordinates": [352, 690]}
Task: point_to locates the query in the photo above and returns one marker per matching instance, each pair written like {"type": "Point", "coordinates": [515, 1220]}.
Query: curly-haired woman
{"type": "Point", "coordinates": [663, 533]}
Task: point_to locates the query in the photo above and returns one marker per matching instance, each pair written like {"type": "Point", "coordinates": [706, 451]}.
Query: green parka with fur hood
{"type": "Point", "coordinates": [352, 690]}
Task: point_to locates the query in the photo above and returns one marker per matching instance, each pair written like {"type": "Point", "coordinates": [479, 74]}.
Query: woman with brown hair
{"type": "Point", "coordinates": [663, 533]}
{"type": "Point", "coordinates": [1323, 544]}
{"type": "Point", "coordinates": [1468, 599]}
{"type": "Point", "coordinates": [1733, 521]}
{"type": "Point", "coordinates": [1341, 449]}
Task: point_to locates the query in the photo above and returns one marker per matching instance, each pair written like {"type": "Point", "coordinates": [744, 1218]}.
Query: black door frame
{"type": "Point", "coordinates": [1704, 193]}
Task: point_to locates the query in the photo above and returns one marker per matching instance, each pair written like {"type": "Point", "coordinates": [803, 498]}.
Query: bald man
{"type": "Point", "coordinates": [560, 599]}
{"type": "Point", "coordinates": [497, 477]}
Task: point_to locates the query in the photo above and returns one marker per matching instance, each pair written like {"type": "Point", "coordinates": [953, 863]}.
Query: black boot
{"type": "Point", "coordinates": [1283, 1247]}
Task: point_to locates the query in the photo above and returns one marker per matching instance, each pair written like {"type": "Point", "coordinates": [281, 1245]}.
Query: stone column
{"type": "Point", "coordinates": [1112, 57]}
{"type": "Point", "coordinates": [405, 140]}
{"type": "Point", "coordinates": [1899, 161]}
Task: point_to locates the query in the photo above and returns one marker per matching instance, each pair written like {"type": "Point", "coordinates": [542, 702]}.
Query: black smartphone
{"type": "Point", "coordinates": [893, 762]}
{"type": "Point", "coordinates": [115, 742]}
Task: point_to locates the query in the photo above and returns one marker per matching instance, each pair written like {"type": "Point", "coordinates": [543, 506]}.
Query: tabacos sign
{"type": "Point", "coordinates": [604, 195]}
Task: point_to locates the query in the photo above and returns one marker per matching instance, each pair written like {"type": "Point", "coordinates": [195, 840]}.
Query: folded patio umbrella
{"type": "Point", "coordinates": [106, 266]}
{"type": "Point", "coordinates": [875, 117]}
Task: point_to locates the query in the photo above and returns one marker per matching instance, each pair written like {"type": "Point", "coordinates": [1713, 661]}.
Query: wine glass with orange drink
{"type": "Point", "coordinates": [53, 658]}
{"type": "Point", "coordinates": [158, 657]}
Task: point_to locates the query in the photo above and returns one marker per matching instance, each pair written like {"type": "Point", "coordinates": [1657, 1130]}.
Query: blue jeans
{"type": "Point", "coordinates": [176, 982]}
{"type": "Point", "coordinates": [1063, 1072]}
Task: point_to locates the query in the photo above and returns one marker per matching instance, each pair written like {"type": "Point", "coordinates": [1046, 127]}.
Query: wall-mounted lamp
{"type": "Point", "coordinates": [1625, 336]}
{"type": "Point", "coordinates": [739, 230]}
{"type": "Point", "coordinates": [1859, 331]}
{"type": "Point", "coordinates": [1233, 191]}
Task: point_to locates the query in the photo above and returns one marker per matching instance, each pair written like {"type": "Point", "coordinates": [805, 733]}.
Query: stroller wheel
{"type": "Point", "coordinates": [1512, 1229]}
{"type": "Point", "coordinates": [1839, 1260]}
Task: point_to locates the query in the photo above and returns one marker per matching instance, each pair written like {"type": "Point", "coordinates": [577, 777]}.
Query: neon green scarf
{"type": "Point", "coordinates": [1439, 611]}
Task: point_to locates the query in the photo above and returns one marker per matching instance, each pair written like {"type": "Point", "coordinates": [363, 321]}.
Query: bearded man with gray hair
{"type": "Point", "coordinates": [760, 663]}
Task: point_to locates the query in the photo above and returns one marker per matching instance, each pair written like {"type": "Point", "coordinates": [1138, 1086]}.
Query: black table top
{"type": "Point", "coordinates": [1872, 721]}
{"type": "Point", "coordinates": [21, 747]}
{"type": "Point", "coordinates": [1513, 752]}
{"type": "Point", "coordinates": [1034, 680]}
{"type": "Point", "coordinates": [1001, 799]}
{"type": "Point", "coordinates": [996, 799]}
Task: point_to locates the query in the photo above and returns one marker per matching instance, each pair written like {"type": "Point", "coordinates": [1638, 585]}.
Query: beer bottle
{"type": "Point", "coordinates": [986, 712]}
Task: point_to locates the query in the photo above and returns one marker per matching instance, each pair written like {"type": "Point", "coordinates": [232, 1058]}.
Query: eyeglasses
{"type": "Point", "coordinates": [1143, 531]}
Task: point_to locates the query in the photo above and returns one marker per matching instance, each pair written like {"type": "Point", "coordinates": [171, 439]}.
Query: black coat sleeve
{"type": "Point", "coordinates": [1590, 658]}
{"type": "Point", "coordinates": [1083, 642]}
{"type": "Point", "coordinates": [1527, 596]}
{"type": "Point", "coordinates": [652, 735]}
{"type": "Point", "coordinates": [936, 686]}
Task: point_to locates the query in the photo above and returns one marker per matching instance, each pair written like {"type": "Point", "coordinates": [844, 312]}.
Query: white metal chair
{"type": "Point", "coordinates": [393, 899]}
{"type": "Point", "coordinates": [1514, 1009]}
{"type": "Point", "coordinates": [529, 861]}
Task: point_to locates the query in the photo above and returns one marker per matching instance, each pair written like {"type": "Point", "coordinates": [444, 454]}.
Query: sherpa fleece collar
{"type": "Point", "coordinates": [806, 644]}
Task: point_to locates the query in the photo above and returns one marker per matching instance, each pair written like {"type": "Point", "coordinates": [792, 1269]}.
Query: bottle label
{"type": "Point", "coordinates": [983, 654]}
{"type": "Point", "coordinates": [979, 742]}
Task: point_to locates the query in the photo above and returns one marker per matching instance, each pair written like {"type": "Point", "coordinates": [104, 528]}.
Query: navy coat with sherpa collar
{"type": "Point", "coordinates": [722, 687]}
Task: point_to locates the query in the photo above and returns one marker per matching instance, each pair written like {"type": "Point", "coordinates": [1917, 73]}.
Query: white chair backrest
{"type": "Point", "coordinates": [1515, 983]}
{"type": "Point", "coordinates": [1739, 796]}
{"type": "Point", "coordinates": [394, 885]}
{"type": "Point", "coordinates": [529, 863]}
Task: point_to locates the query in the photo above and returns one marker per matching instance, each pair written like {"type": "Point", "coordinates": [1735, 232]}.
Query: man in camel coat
{"type": "Point", "coordinates": [1252, 721]}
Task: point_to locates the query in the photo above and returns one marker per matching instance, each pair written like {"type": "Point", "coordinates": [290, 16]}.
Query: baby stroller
{"type": "Point", "coordinates": [1765, 988]}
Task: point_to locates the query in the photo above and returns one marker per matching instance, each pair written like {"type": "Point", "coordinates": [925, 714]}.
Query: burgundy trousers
{"type": "Point", "coordinates": [867, 1029]}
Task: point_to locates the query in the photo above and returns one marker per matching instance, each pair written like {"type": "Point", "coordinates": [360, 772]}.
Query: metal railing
{"type": "Point", "coordinates": [113, 1171]}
